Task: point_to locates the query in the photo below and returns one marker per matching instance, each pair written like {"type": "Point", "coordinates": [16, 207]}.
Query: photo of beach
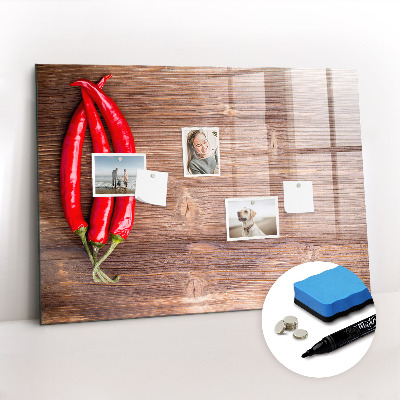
{"type": "Point", "coordinates": [114, 174]}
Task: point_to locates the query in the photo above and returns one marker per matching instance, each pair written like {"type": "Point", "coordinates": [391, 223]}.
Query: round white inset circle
{"type": "Point", "coordinates": [288, 350]}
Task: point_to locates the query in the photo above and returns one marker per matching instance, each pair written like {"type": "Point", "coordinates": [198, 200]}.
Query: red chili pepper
{"type": "Point", "coordinates": [123, 142]}
{"type": "Point", "coordinates": [120, 131]}
{"type": "Point", "coordinates": [102, 207]}
{"type": "Point", "coordinates": [70, 172]}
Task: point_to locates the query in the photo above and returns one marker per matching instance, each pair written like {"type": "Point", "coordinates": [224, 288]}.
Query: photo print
{"type": "Point", "coordinates": [200, 152]}
{"type": "Point", "coordinates": [114, 174]}
{"type": "Point", "coordinates": [252, 218]}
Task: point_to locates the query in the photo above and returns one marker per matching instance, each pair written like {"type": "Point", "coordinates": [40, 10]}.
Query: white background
{"type": "Point", "coordinates": [201, 356]}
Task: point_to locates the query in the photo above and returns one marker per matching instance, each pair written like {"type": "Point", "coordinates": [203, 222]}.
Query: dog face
{"type": "Point", "coordinates": [245, 214]}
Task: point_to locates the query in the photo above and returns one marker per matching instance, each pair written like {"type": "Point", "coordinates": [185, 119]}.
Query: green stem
{"type": "Point", "coordinates": [100, 276]}
{"type": "Point", "coordinates": [81, 232]}
{"type": "Point", "coordinates": [96, 246]}
{"type": "Point", "coordinates": [96, 276]}
{"type": "Point", "coordinates": [116, 239]}
{"type": "Point", "coordinates": [97, 273]}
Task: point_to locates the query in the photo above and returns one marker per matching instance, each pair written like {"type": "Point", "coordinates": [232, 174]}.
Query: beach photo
{"type": "Point", "coordinates": [252, 218]}
{"type": "Point", "coordinates": [114, 174]}
{"type": "Point", "coordinates": [200, 151]}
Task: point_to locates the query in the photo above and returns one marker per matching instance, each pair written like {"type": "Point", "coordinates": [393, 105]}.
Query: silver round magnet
{"type": "Point", "coordinates": [300, 333]}
{"type": "Point", "coordinates": [280, 327]}
{"type": "Point", "coordinates": [291, 322]}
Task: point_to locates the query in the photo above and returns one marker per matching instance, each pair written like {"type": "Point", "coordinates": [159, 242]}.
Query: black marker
{"type": "Point", "coordinates": [343, 337]}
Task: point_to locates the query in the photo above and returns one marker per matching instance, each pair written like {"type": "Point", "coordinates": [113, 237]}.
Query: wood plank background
{"type": "Point", "coordinates": [275, 124]}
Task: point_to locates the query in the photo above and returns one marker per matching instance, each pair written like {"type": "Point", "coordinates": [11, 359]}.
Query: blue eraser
{"type": "Point", "coordinates": [332, 293]}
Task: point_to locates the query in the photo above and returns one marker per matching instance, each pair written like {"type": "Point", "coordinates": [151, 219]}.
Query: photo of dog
{"type": "Point", "coordinates": [246, 216]}
{"type": "Point", "coordinates": [252, 218]}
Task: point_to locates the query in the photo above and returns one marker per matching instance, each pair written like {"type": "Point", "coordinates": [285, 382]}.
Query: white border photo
{"type": "Point", "coordinates": [252, 218]}
{"type": "Point", "coordinates": [200, 147]}
{"type": "Point", "coordinates": [114, 174]}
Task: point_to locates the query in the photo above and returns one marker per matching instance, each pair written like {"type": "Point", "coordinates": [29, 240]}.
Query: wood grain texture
{"type": "Point", "coordinates": [275, 125]}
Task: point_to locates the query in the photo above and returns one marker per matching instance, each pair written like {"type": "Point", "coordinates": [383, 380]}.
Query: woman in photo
{"type": "Point", "coordinates": [201, 158]}
{"type": "Point", "coordinates": [125, 180]}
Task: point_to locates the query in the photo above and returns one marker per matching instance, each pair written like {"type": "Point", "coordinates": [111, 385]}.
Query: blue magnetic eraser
{"type": "Point", "coordinates": [332, 293]}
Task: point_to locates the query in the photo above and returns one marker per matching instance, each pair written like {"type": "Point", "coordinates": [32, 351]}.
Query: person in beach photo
{"type": "Point", "coordinates": [201, 158]}
{"type": "Point", "coordinates": [114, 178]}
{"type": "Point", "coordinates": [125, 180]}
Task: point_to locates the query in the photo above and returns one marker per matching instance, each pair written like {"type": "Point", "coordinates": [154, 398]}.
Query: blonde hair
{"type": "Point", "coordinates": [191, 151]}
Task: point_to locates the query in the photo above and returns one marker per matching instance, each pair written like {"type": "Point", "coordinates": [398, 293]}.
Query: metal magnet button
{"type": "Point", "coordinates": [300, 333]}
{"type": "Point", "coordinates": [291, 322]}
{"type": "Point", "coordinates": [280, 327]}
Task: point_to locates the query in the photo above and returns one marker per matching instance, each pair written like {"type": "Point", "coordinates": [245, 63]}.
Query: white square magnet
{"type": "Point", "coordinates": [151, 187]}
{"type": "Point", "coordinates": [298, 196]}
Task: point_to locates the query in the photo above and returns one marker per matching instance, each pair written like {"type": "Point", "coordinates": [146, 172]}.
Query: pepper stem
{"type": "Point", "coordinates": [81, 232]}
{"type": "Point", "coordinates": [96, 246]}
{"type": "Point", "coordinates": [97, 273]}
{"type": "Point", "coordinates": [116, 239]}
{"type": "Point", "coordinates": [100, 276]}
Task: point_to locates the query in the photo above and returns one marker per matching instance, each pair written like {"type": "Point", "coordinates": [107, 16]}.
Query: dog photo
{"type": "Point", "coordinates": [114, 174]}
{"type": "Point", "coordinates": [200, 152]}
{"type": "Point", "coordinates": [252, 218]}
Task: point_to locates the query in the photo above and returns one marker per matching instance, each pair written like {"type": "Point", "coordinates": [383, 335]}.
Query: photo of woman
{"type": "Point", "coordinates": [200, 151]}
